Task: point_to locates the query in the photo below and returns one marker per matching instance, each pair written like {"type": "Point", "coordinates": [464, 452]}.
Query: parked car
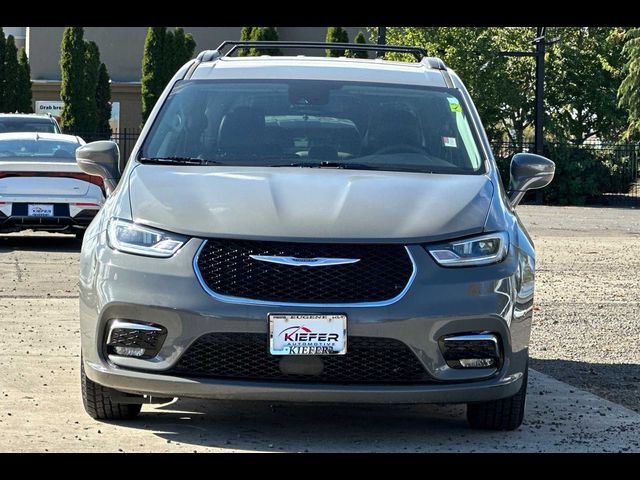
{"type": "Point", "coordinates": [309, 229]}
{"type": "Point", "coordinates": [42, 187]}
{"type": "Point", "coordinates": [28, 122]}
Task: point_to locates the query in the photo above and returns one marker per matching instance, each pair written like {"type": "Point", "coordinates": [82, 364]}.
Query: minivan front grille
{"type": "Point", "coordinates": [245, 356]}
{"type": "Point", "coordinates": [381, 272]}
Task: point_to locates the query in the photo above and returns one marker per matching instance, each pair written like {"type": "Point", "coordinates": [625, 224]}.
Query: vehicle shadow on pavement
{"type": "Point", "coordinates": [559, 418]}
{"type": "Point", "coordinates": [617, 382]}
{"type": "Point", "coordinates": [264, 426]}
{"type": "Point", "coordinates": [39, 243]}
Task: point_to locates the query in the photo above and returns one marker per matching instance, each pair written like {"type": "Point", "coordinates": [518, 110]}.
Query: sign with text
{"type": "Point", "coordinates": [54, 107]}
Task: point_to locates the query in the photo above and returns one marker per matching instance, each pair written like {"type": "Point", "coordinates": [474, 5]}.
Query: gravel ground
{"type": "Point", "coordinates": [586, 327]}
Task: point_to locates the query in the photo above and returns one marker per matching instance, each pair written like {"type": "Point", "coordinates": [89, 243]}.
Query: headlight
{"type": "Point", "coordinates": [132, 238]}
{"type": "Point", "coordinates": [491, 248]}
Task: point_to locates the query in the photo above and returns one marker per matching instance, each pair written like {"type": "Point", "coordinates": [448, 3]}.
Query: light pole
{"type": "Point", "coordinates": [539, 118]}
{"type": "Point", "coordinates": [539, 53]}
{"type": "Point", "coordinates": [382, 39]}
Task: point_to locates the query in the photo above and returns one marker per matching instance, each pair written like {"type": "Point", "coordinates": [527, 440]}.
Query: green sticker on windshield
{"type": "Point", "coordinates": [454, 105]}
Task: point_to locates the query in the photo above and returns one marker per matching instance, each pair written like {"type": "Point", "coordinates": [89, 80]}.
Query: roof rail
{"type": "Point", "coordinates": [418, 52]}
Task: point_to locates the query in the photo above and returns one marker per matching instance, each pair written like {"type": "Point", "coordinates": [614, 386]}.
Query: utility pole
{"type": "Point", "coordinates": [540, 42]}
{"type": "Point", "coordinates": [382, 39]}
{"type": "Point", "coordinates": [539, 117]}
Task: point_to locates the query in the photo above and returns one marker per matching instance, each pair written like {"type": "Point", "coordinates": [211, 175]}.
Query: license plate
{"type": "Point", "coordinates": [304, 334]}
{"type": "Point", "coordinates": [40, 210]}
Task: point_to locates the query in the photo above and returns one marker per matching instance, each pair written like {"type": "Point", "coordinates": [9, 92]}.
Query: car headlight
{"type": "Point", "coordinates": [483, 250]}
{"type": "Point", "coordinates": [133, 238]}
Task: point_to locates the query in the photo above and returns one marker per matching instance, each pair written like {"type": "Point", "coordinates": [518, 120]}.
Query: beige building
{"type": "Point", "coordinates": [121, 49]}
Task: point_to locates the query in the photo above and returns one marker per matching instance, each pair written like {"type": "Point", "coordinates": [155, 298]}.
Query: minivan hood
{"type": "Point", "coordinates": [309, 204]}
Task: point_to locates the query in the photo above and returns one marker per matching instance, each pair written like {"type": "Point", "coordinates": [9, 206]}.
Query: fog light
{"type": "Point", "coordinates": [471, 350]}
{"type": "Point", "coordinates": [129, 338]}
{"type": "Point", "coordinates": [477, 362]}
{"type": "Point", "coordinates": [129, 351]}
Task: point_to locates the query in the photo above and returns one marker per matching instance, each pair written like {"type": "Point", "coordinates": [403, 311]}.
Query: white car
{"type": "Point", "coordinates": [41, 186]}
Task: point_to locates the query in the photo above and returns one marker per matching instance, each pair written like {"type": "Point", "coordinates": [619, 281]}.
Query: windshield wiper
{"type": "Point", "coordinates": [329, 164]}
{"type": "Point", "coordinates": [176, 160]}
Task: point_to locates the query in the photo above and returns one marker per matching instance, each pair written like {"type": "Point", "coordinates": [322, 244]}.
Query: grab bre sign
{"type": "Point", "coordinates": [54, 107]}
{"type": "Point", "coordinates": [49, 106]}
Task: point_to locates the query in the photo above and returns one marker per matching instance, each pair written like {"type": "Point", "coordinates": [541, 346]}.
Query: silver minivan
{"type": "Point", "coordinates": [298, 228]}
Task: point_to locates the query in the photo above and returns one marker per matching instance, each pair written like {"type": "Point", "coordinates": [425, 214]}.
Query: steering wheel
{"type": "Point", "coordinates": [400, 148]}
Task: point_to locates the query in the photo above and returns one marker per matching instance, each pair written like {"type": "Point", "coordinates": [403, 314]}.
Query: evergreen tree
{"type": "Point", "coordinates": [74, 117]}
{"type": "Point", "coordinates": [165, 52]}
{"type": "Point", "coordinates": [24, 84]}
{"type": "Point", "coordinates": [103, 103]}
{"type": "Point", "coordinates": [245, 34]}
{"type": "Point", "coordinates": [360, 38]}
{"type": "Point", "coordinates": [12, 76]}
{"type": "Point", "coordinates": [336, 35]}
{"type": "Point", "coordinates": [263, 34]}
{"type": "Point", "coordinates": [169, 57]}
{"type": "Point", "coordinates": [91, 67]}
{"type": "Point", "coordinates": [153, 74]}
{"type": "Point", "coordinates": [629, 91]}
{"type": "Point", "coordinates": [189, 48]}
{"type": "Point", "coordinates": [182, 50]}
{"type": "Point", "coordinates": [2, 54]}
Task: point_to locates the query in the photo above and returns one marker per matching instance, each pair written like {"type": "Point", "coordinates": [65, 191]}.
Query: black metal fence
{"type": "Point", "coordinates": [591, 173]}
{"type": "Point", "coordinates": [125, 138]}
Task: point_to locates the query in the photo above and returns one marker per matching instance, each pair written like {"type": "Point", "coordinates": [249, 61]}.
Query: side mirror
{"type": "Point", "coordinates": [528, 172]}
{"type": "Point", "coordinates": [101, 159]}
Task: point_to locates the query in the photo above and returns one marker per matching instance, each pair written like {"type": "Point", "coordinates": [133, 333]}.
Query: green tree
{"type": "Point", "coordinates": [169, 56]}
{"type": "Point", "coordinates": [629, 91]}
{"type": "Point", "coordinates": [153, 75]}
{"type": "Point", "coordinates": [24, 84]}
{"type": "Point", "coordinates": [3, 47]}
{"type": "Point", "coordinates": [12, 76]}
{"type": "Point", "coordinates": [336, 35]}
{"type": "Point", "coordinates": [164, 53]}
{"type": "Point", "coordinates": [502, 87]}
{"type": "Point", "coordinates": [583, 74]}
{"type": "Point", "coordinates": [360, 38]}
{"type": "Point", "coordinates": [103, 102]}
{"type": "Point", "coordinates": [245, 35]}
{"type": "Point", "coordinates": [264, 34]}
{"type": "Point", "coordinates": [91, 68]}
{"type": "Point", "coordinates": [182, 49]}
{"type": "Point", "coordinates": [75, 112]}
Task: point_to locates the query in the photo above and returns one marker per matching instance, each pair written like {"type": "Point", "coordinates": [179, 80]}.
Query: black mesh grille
{"type": "Point", "coordinates": [246, 356]}
{"type": "Point", "coordinates": [381, 273]}
{"type": "Point", "coordinates": [126, 337]}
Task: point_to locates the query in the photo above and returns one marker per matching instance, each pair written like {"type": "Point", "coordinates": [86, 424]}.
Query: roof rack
{"type": "Point", "coordinates": [418, 52]}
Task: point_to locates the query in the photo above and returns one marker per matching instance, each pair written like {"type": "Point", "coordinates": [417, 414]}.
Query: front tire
{"type": "Point", "coordinates": [504, 414]}
{"type": "Point", "coordinates": [99, 404]}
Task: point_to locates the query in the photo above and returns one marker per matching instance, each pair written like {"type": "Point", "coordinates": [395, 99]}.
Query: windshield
{"type": "Point", "coordinates": [311, 122]}
{"type": "Point", "coordinates": [19, 149]}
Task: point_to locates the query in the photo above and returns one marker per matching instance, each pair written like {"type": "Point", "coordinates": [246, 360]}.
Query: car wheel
{"type": "Point", "coordinates": [99, 401]}
{"type": "Point", "coordinates": [504, 414]}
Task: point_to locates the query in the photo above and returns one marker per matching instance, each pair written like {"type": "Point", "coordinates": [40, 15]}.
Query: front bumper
{"type": "Point", "coordinates": [440, 302]}
{"type": "Point", "coordinates": [170, 386]}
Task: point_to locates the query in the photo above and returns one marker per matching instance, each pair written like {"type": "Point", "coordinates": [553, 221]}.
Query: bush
{"type": "Point", "coordinates": [582, 175]}
{"type": "Point", "coordinates": [336, 35]}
